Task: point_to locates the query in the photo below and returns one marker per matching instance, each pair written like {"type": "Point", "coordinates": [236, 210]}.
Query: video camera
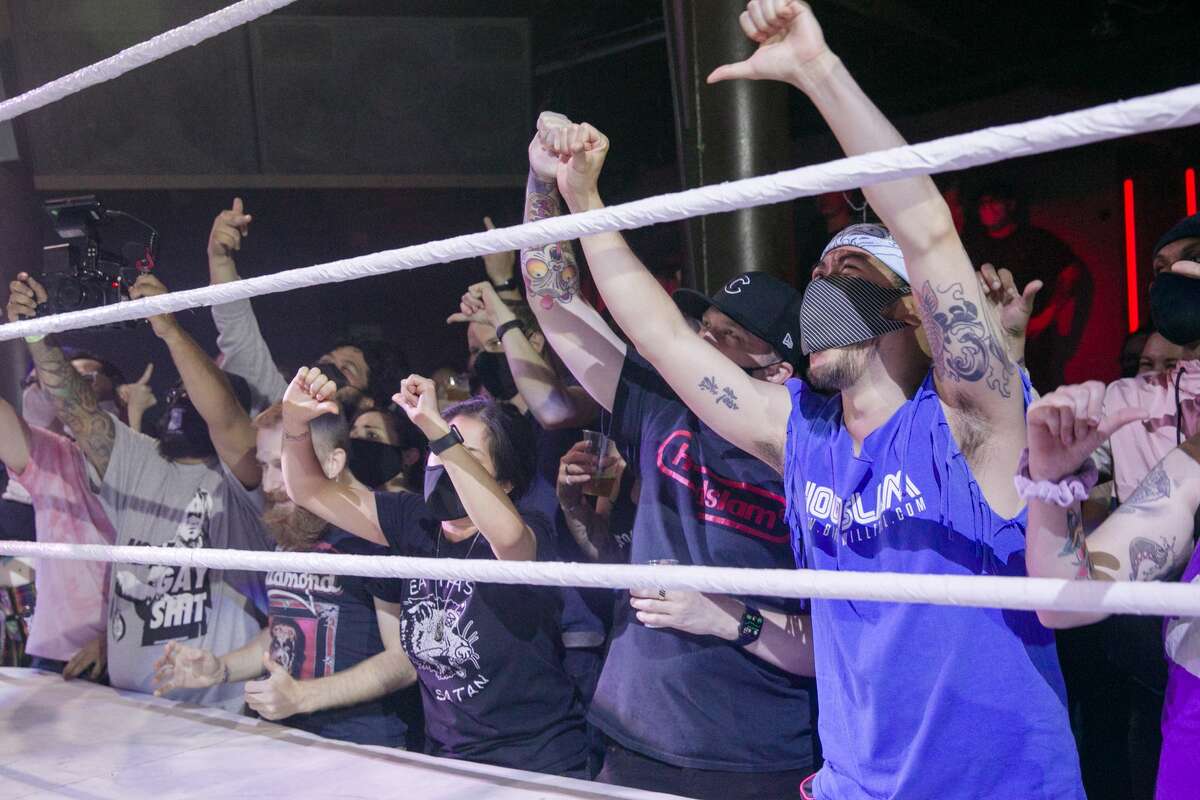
{"type": "Point", "coordinates": [79, 273]}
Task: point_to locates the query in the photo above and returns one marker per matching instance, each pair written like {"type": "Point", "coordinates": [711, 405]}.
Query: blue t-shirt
{"type": "Point", "coordinates": [322, 624]}
{"type": "Point", "coordinates": [488, 655]}
{"type": "Point", "coordinates": [920, 700]}
{"type": "Point", "coordinates": [698, 701]}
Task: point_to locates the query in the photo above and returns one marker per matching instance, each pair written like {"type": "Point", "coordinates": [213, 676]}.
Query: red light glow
{"type": "Point", "coordinates": [1131, 272]}
{"type": "Point", "coordinates": [1189, 188]}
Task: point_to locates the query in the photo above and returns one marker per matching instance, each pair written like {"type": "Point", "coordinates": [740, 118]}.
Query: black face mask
{"type": "Point", "coordinates": [441, 497]}
{"type": "Point", "coordinates": [374, 463]}
{"type": "Point", "coordinates": [493, 372]}
{"type": "Point", "coordinates": [182, 432]}
{"type": "Point", "coordinates": [838, 311]}
{"type": "Point", "coordinates": [1175, 307]}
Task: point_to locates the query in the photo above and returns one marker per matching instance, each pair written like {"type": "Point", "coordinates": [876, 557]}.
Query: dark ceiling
{"type": "Point", "coordinates": [607, 60]}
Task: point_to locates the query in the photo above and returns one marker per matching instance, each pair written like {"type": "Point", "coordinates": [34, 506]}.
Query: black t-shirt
{"type": "Point", "coordinates": [322, 624]}
{"type": "Point", "coordinates": [488, 655]}
{"type": "Point", "coordinates": [702, 501]}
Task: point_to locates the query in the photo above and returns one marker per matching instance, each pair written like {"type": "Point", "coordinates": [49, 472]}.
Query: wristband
{"type": "Point", "coordinates": [509, 285]}
{"type": "Point", "coordinates": [1064, 492]}
{"type": "Point", "coordinates": [750, 627]}
{"type": "Point", "coordinates": [441, 445]}
{"type": "Point", "coordinates": [224, 671]}
{"type": "Point", "coordinates": [34, 339]}
{"type": "Point", "coordinates": [505, 327]}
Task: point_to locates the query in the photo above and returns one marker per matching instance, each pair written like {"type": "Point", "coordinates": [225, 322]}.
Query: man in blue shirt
{"type": "Point", "coordinates": [897, 455]}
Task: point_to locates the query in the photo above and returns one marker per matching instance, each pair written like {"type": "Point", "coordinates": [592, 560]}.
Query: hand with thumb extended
{"type": "Point", "coordinates": [788, 36]}
{"type": "Point", "coordinates": [1066, 426]}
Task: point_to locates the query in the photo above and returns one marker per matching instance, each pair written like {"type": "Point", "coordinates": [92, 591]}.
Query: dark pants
{"type": "Point", "coordinates": [623, 767]}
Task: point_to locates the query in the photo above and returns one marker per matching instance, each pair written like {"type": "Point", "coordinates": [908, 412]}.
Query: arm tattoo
{"type": "Point", "coordinates": [1075, 546]}
{"type": "Point", "coordinates": [725, 395]}
{"type": "Point", "coordinates": [1150, 560]}
{"type": "Point", "coordinates": [551, 272]}
{"type": "Point", "coordinates": [965, 348]}
{"type": "Point", "coordinates": [76, 404]}
{"type": "Point", "coordinates": [1155, 486]}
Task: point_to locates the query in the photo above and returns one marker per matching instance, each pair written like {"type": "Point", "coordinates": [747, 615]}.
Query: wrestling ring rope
{"type": "Point", "coordinates": [1171, 109]}
{"type": "Point", "coordinates": [987, 591]}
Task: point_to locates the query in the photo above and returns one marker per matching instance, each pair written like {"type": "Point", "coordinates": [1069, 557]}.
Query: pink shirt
{"type": "Point", "coordinates": [72, 596]}
{"type": "Point", "coordinates": [1137, 447]}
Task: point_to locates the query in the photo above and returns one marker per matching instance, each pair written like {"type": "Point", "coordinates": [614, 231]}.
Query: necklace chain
{"type": "Point", "coordinates": [442, 598]}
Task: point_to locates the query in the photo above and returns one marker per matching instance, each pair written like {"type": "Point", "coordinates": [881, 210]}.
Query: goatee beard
{"type": "Point", "coordinates": [842, 371]}
{"type": "Point", "coordinates": [294, 528]}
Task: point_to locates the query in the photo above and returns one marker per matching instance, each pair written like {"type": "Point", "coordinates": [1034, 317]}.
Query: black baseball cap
{"type": "Point", "coordinates": [758, 301]}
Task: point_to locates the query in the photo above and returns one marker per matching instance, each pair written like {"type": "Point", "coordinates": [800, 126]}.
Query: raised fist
{"type": "Point", "coordinates": [418, 399]}
{"type": "Point", "coordinates": [308, 396]}
{"type": "Point", "coordinates": [581, 150]}
{"type": "Point", "coordinates": [25, 295]}
{"type": "Point", "coordinates": [543, 162]}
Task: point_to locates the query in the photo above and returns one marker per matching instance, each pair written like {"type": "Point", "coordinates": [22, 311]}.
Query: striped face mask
{"type": "Point", "coordinates": [839, 310]}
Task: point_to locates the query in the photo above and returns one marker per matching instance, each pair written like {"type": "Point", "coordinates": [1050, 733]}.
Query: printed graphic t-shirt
{"type": "Point", "coordinates": [154, 502]}
{"type": "Point", "coordinates": [488, 655]}
{"type": "Point", "coordinates": [702, 501]}
{"type": "Point", "coordinates": [72, 595]}
{"type": "Point", "coordinates": [920, 700]}
{"type": "Point", "coordinates": [323, 624]}
{"type": "Point", "coordinates": [1179, 762]}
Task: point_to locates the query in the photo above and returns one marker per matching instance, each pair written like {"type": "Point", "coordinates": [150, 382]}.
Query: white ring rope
{"type": "Point", "coordinates": [172, 41]}
{"type": "Point", "coordinates": [984, 591]}
{"type": "Point", "coordinates": [1173, 109]}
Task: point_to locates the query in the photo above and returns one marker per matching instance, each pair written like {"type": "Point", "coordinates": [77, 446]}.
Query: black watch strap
{"type": "Point", "coordinates": [439, 446]}
{"type": "Point", "coordinates": [509, 285]}
{"type": "Point", "coordinates": [505, 327]}
{"type": "Point", "coordinates": [750, 627]}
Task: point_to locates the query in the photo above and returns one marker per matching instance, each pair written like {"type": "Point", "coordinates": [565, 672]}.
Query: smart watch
{"type": "Point", "coordinates": [439, 446]}
{"type": "Point", "coordinates": [750, 627]}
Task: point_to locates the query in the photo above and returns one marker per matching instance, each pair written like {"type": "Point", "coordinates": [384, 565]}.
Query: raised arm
{"type": "Point", "coordinates": [244, 351]}
{"type": "Point", "coordinates": [229, 425]}
{"type": "Point", "coordinates": [594, 354]}
{"type": "Point", "coordinates": [752, 414]}
{"type": "Point", "coordinates": [974, 374]}
{"type": "Point", "coordinates": [349, 507]}
{"type": "Point", "coordinates": [1147, 538]}
{"type": "Point", "coordinates": [553, 404]}
{"type": "Point", "coordinates": [14, 439]}
{"type": "Point", "coordinates": [74, 399]}
{"type": "Point", "coordinates": [487, 504]}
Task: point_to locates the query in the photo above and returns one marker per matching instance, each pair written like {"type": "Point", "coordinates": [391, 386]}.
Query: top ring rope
{"type": "Point", "coordinates": [172, 41]}
{"type": "Point", "coordinates": [983, 591]}
{"type": "Point", "coordinates": [1173, 109]}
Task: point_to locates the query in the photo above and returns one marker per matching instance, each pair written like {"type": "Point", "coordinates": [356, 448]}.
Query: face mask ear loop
{"type": "Point", "coordinates": [1179, 407]}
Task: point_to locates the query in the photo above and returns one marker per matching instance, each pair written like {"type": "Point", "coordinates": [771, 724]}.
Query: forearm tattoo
{"type": "Point", "coordinates": [75, 402]}
{"type": "Point", "coordinates": [962, 340]}
{"type": "Point", "coordinates": [551, 272]}
{"type": "Point", "coordinates": [725, 395]}
{"type": "Point", "coordinates": [1075, 546]}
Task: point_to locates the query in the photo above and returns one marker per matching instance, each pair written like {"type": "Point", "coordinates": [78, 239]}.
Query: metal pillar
{"type": "Point", "coordinates": [730, 130]}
